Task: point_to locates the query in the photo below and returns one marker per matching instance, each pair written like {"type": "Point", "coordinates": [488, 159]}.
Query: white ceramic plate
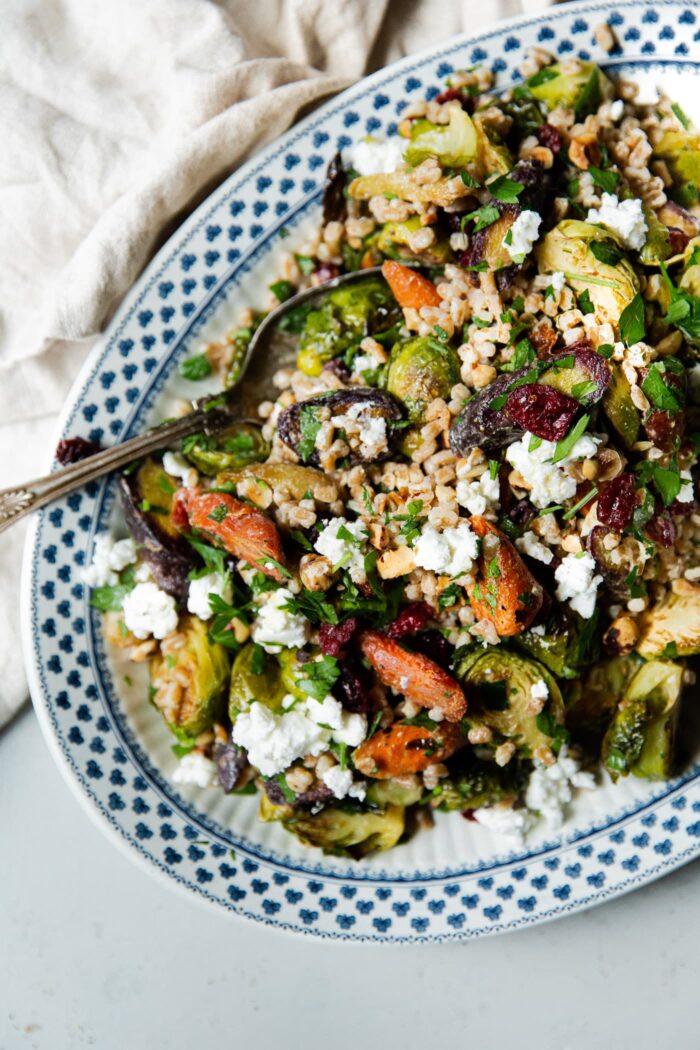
{"type": "Point", "coordinates": [457, 880]}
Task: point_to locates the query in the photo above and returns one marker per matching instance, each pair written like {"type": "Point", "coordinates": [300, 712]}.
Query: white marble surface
{"type": "Point", "coordinates": [96, 953]}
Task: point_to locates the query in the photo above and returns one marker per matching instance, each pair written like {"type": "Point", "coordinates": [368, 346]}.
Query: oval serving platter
{"type": "Point", "coordinates": [457, 880]}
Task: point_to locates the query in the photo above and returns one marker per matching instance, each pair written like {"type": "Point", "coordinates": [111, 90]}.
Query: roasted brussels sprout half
{"type": "Point", "coordinates": [499, 686]}
{"type": "Point", "coordinates": [582, 91]}
{"type": "Point", "coordinates": [389, 792]}
{"type": "Point", "coordinates": [393, 242]}
{"type": "Point", "coordinates": [298, 424]}
{"type": "Point", "coordinates": [567, 248]}
{"type": "Point", "coordinates": [578, 372]}
{"type": "Point", "coordinates": [345, 316]}
{"type": "Point", "coordinates": [681, 151]}
{"type": "Point", "coordinates": [147, 498]}
{"type": "Point", "coordinates": [420, 370]}
{"type": "Point", "coordinates": [408, 187]}
{"type": "Point", "coordinates": [342, 831]}
{"type": "Point", "coordinates": [487, 244]}
{"type": "Point", "coordinates": [493, 154]}
{"type": "Point", "coordinates": [255, 677]}
{"type": "Point", "coordinates": [619, 407]}
{"type": "Point", "coordinates": [597, 695]}
{"type": "Point", "coordinates": [295, 479]}
{"type": "Point", "coordinates": [657, 246]}
{"type": "Point", "coordinates": [476, 784]}
{"type": "Point", "coordinates": [454, 144]}
{"type": "Point", "coordinates": [564, 643]}
{"type": "Point", "coordinates": [237, 445]}
{"type": "Point", "coordinates": [190, 709]}
{"type": "Point", "coordinates": [672, 628]}
{"type": "Point", "coordinates": [640, 737]}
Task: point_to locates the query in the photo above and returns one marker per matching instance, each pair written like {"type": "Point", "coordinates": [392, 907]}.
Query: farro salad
{"type": "Point", "coordinates": [454, 565]}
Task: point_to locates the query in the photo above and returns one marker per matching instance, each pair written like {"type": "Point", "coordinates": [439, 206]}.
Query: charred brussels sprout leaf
{"type": "Point", "coordinates": [596, 697]}
{"type": "Point", "coordinates": [341, 831]}
{"type": "Point", "coordinates": [204, 667]}
{"type": "Point", "coordinates": [345, 316]}
{"type": "Point", "coordinates": [640, 737]}
{"type": "Point", "coordinates": [147, 499]}
{"type": "Point", "coordinates": [294, 428]}
{"type": "Point", "coordinates": [582, 91]}
{"type": "Point", "coordinates": [565, 646]}
{"type": "Point", "coordinates": [420, 370]}
{"type": "Point", "coordinates": [454, 144]}
{"type": "Point", "coordinates": [475, 784]}
{"type": "Point", "coordinates": [499, 686]}
{"type": "Point", "coordinates": [250, 682]}
{"type": "Point", "coordinates": [619, 407]}
{"type": "Point", "coordinates": [484, 423]}
{"type": "Point", "coordinates": [676, 622]}
{"type": "Point", "coordinates": [394, 239]}
{"type": "Point", "coordinates": [228, 449]}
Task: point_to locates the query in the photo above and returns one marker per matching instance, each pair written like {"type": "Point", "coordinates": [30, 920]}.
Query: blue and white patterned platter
{"type": "Point", "coordinates": [458, 880]}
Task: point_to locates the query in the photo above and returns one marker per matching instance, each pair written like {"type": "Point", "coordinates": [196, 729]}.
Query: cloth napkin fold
{"type": "Point", "coordinates": [116, 118]}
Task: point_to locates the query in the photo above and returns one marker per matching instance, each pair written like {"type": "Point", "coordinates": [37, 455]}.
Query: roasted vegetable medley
{"type": "Point", "coordinates": [455, 564]}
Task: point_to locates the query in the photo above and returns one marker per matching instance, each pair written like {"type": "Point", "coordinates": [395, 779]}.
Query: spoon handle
{"type": "Point", "coordinates": [19, 500]}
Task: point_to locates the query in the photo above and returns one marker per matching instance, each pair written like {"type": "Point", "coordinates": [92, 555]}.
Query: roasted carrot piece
{"type": "Point", "coordinates": [241, 530]}
{"type": "Point", "coordinates": [505, 591]}
{"type": "Point", "coordinates": [402, 749]}
{"type": "Point", "coordinates": [417, 677]}
{"type": "Point", "coordinates": [410, 288]}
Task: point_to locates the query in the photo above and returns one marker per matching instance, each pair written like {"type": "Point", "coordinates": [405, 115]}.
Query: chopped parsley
{"type": "Point", "coordinates": [309, 426]}
{"type": "Point", "coordinates": [321, 676]}
{"type": "Point", "coordinates": [632, 321]}
{"type": "Point", "coordinates": [607, 180]}
{"type": "Point", "coordinates": [196, 367]}
{"type": "Point", "coordinates": [564, 447]}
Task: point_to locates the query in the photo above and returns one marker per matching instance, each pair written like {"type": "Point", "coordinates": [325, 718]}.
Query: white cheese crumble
{"type": "Point", "coordinates": [347, 550]}
{"type": "Point", "coordinates": [195, 768]}
{"type": "Point", "coordinates": [149, 611]}
{"type": "Point", "coordinates": [625, 218]}
{"type": "Point", "coordinates": [276, 627]}
{"type": "Point", "coordinates": [175, 464]}
{"type": "Point", "coordinates": [549, 788]}
{"type": "Point", "coordinates": [557, 281]}
{"type": "Point", "coordinates": [617, 108]}
{"type": "Point", "coordinates": [109, 558]}
{"type": "Point", "coordinates": [577, 583]}
{"type": "Point", "coordinates": [687, 492]}
{"type": "Point", "coordinates": [202, 587]}
{"type": "Point", "coordinates": [480, 495]}
{"type": "Point", "coordinates": [522, 235]}
{"type": "Point", "coordinates": [341, 783]}
{"type": "Point", "coordinates": [550, 482]}
{"type": "Point", "coordinates": [539, 690]}
{"type": "Point", "coordinates": [364, 363]}
{"type": "Point", "coordinates": [504, 820]}
{"type": "Point", "coordinates": [529, 544]}
{"type": "Point", "coordinates": [370, 431]}
{"type": "Point", "coordinates": [274, 741]}
{"type": "Point", "coordinates": [374, 156]}
{"type": "Point", "coordinates": [451, 552]}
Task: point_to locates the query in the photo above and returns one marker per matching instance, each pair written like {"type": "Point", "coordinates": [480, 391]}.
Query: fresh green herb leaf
{"type": "Point", "coordinates": [607, 180]}
{"type": "Point", "coordinates": [306, 264]}
{"type": "Point", "coordinates": [268, 561]}
{"type": "Point", "coordinates": [680, 115]}
{"type": "Point", "coordinates": [606, 252]}
{"type": "Point", "coordinates": [564, 447]}
{"type": "Point", "coordinates": [321, 676]}
{"type": "Point", "coordinates": [542, 76]}
{"type": "Point", "coordinates": [301, 539]}
{"type": "Point", "coordinates": [313, 605]}
{"type": "Point", "coordinates": [584, 303]}
{"type": "Point", "coordinates": [606, 350]}
{"type": "Point", "coordinates": [581, 503]}
{"type": "Point", "coordinates": [632, 321]}
{"type": "Point", "coordinates": [258, 659]}
{"type": "Point", "coordinates": [213, 558]}
{"type": "Point", "coordinates": [469, 180]}
{"type": "Point", "coordinates": [309, 426]}
{"type": "Point", "coordinates": [581, 390]}
{"type": "Point", "coordinates": [219, 514]}
{"type": "Point", "coordinates": [484, 217]}
{"type": "Point", "coordinates": [196, 367]}
{"type": "Point", "coordinates": [636, 588]}
{"type": "Point", "coordinates": [660, 395]}
{"type": "Point", "coordinates": [670, 650]}
{"type": "Point", "coordinates": [505, 189]}
{"type": "Point", "coordinates": [449, 596]}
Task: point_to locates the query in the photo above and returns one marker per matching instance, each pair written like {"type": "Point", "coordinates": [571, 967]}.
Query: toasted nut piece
{"type": "Point", "coordinates": [417, 677]}
{"type": "Point", "coordinates": [577, 154]}
{"type": "Point", "coordinates": [395, 563]}
{"type": "Point", "coordinates": [621, 636]}
{"type": "Point", "coordinates": [404, 749]}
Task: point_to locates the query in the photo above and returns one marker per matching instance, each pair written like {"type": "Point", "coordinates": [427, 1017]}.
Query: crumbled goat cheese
{"type": "Point", "coordinates": [451, 552]}
{"type": "Point", "coordinates": [687, 492]}
{"type": "Point", "coordinates": [195, 768]}
{"type": "Point", "coordinates": [341, 783]}
{"type": "Point", "coordinates": [374, 157]}
{"type": "Point", "coordinates": [341, 551]}
{"type": "Point", "coordinates": [617, 108]}
{"type": "Point", "coordinates": [504, 820]}
{"type": "Point", "coordinates": [202, 587]}
{"type": "Point", "coordinates": [529, 544]}
{"type": "Point", "coordinates": [549, 789]}
{"type": "Point", "coordinates": [557, 281]}
{"type": "Point", "coordinates": [550, 482]}
{"type": "Point", "coordinates": [577, 583]}
{"type": "Point", "coordinates": [522, 235]}
{"type": "Point", "coordinates": [480, 495]}
{"type": "Point", "coordinates": [274, 741]}
{"type": "Point", "coordinates": [346, 727]}
{"type": "Point", "coordinates": [109, 558]}
{"type": "Point", "coordinates": [539, 690]}
{"type": "Point", "coordinates": [175, 464]}
{"type": "Point", "coordinates": [436, 713]}
{"type": "Point", "coordinates": [625, 218]}
{"type": "Point", "coordinates": [364, 363]}
{"type": "Point", "coordinates": [149, 611]}
{"type": "Point", "coordinates": [277, 627]}
{"type": "Point", "coordinates": [370, 431]}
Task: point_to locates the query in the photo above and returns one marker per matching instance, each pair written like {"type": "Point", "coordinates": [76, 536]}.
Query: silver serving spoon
{"type": "Point", "coordinates": [268, 351]}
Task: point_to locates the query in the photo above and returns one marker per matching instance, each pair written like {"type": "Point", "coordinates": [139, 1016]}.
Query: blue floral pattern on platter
{"type": "Point", "coordinates": [74, 695]}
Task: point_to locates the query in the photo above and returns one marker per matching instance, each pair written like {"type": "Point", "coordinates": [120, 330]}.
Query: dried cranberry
{"type": "Point", "coordinates": [332, 637]}
{"type": "Point", "coordinates": [465, 101]}
{"type": "Point", "coordinates": [351, 693]}
{"type": "Point", "coordinates": [677, 239]}
{"type": "Point", "coordinates": [664, 428]}
{"type": "Point", "coordinates": [72, 450]}
{"type": "Point", "coordinates": [413, 618]}
{"type": "Point", "coordinates": [617, 501]}
{"type": "Point", "coordinates": [542, 410]}
{"type": "Point", "coordinates": [549, 136]}
{"type": "Point", "coordinates": [661, 529]}
{"type": "Point", "coordinates": [338, 367]}
{"type": "Point", "coordinates": [468, 814]}
{"type": "Point", "coordinates": [436, 647]}
{"type": "Point", "coordinates": [326, 272]}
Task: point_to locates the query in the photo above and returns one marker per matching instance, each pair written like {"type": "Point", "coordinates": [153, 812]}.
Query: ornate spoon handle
{"type": "Point", "coordinates": [19, 500]}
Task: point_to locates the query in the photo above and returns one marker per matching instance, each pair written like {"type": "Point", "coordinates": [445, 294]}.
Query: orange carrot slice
{"type": "Point", "coordinates": [410, 288]}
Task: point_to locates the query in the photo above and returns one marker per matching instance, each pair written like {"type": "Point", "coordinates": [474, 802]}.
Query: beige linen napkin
{"type": "Point", "coordinates": [116, 118]}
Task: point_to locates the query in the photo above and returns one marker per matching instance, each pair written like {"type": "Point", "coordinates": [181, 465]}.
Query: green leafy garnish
{"type": "Point", "coordinates": [584, 302]}
{"type": "Point", "coordinates": [607, 180]}
{"type": "Point", "coordinates": [505, 189]}
{"type": "Point", "coordinates": [564, 447]}
{"type": "Point", "coordinates": [196, 367]}
{"type": "Point", "coordinates": [309, 426]}
{"type": "Point", "coordinates": [632, 322]}
{"type": "Point", "coordinates": [321, 675]}
{"type": "Point", "coordinates": [606, 252]}
{"type": "Point", "coordinates": [660, 395]}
